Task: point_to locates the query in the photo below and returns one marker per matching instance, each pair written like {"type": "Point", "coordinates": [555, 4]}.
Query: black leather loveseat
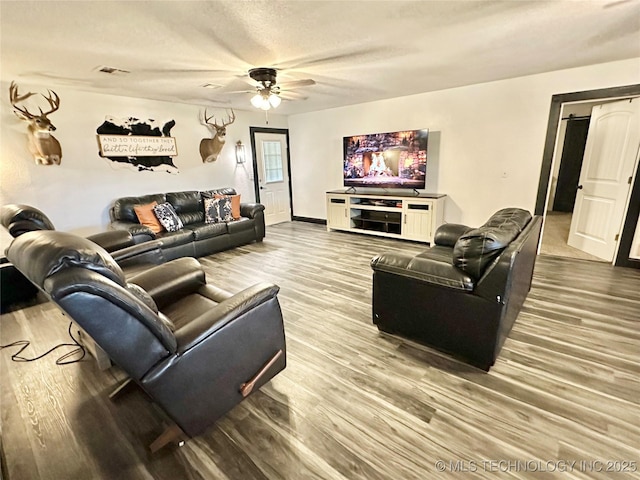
{"type": "Point", "coordinates": [196, 238]}
{"type": "Point", "coordinates": [462, 295]}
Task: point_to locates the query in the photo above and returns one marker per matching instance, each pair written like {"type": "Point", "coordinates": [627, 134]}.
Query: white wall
{"type": "Point", "coordinates": [77, 194]}
{"type": "Point", "coordinates": [635, 245]}
{"type": "Point", "coordinates": [485, 146]}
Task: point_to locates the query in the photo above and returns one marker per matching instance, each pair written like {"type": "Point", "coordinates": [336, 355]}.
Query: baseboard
{"type": "Point", "coordinates": [309, 220]}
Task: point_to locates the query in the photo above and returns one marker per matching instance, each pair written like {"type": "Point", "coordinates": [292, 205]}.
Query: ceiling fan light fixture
{"type": "Point", "coordinates": [274, 100]}
{"type": "Point", "coordinates": [257, 100]}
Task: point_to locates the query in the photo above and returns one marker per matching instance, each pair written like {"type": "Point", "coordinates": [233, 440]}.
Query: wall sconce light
{"type": "Point", "coordinates": [240, 153]}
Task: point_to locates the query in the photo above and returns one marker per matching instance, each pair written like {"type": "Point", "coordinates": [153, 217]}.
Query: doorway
{"type": "Point", "coordinates": [272, 173]}
{"type": "Point", "coordinates": [566, 107]}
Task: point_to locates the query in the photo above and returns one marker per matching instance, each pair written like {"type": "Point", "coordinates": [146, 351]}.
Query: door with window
{"type": "Point", "coordinates": [272, 171]}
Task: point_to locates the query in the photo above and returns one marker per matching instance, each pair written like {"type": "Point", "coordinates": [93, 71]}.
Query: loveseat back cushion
{"type": "Point", "coordinates": [123, 208]}
{"type": "Point", "coordinates": [188, 206]}
{"type": "Point", "coordinates": [477, 248]}
{"type": "Point", "coordinates": [38, 255]}
{"type": "Point", "coordinates": [517, 216]}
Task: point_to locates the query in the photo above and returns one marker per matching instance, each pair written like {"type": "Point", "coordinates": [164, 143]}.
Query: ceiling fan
{"type": "Point", "coordinates": [268, 93]}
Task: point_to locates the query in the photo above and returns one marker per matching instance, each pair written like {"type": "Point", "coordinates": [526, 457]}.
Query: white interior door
{"type": "Point", "coordinates": [273, 176]}
{"type": "Point", "coordinates": [609, 161]}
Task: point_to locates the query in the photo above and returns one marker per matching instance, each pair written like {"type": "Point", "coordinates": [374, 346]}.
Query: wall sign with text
{"type": "Point", "coordinates": [139, 144]}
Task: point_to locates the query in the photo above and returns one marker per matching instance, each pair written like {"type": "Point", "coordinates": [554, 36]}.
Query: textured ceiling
{"type": "Point", "coordinates": [355, 51]}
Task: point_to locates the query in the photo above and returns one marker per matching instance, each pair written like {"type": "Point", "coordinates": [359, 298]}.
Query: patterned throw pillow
{"type": "Point", "coordinates": [235, 204]}
{"type": "Point", "coordinates": [217, 210]}
{"type": "Point", "coordinates": [168, 217]}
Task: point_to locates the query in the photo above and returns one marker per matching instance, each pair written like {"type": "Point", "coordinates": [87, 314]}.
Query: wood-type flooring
{"type": "Point", "coordinates": [561, 402]}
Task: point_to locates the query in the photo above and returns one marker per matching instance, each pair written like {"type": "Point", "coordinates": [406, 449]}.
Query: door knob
{"type": "Point", "coordinates": [579, 187]}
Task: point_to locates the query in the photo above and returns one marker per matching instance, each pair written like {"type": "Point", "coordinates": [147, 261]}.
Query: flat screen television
{"type": "Point", "coordinates": [386, 160]}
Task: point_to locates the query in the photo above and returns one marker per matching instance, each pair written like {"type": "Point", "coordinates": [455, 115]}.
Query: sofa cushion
{"type": "Point", "coordinates": [185, 202]}
{"type": "Point", "coordinates": [438, 252]}
{"type": "Point", "coordinates": [147, 217]}
{"type": "Point", "coordinates": [168, 217]}
{"type": "Point", "coordinates": [123, 207]}
{"type": "Point", "coordinates": [218, 191]}
{"type": "Point", "coordinates": [240, 225]}
{"type": "Point", "coordinates": [207, 230]}
{"type": "Point", "coordinates": [477, 248]}
{"type": "Point", "coordinates": [188, 206]}
{"type": "Point", "coordinates": [174, 239]}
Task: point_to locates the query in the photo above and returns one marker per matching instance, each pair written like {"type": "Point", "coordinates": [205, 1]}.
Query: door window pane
{"type": "Point", "coordinates": [272, 160]}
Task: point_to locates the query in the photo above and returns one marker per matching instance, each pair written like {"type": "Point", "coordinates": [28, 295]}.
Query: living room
{"type": "Point", "coordinates": [486, 150]}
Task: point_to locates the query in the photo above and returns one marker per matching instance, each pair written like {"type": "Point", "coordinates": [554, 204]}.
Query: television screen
{"type": "Point", "coordinates": [390, 160]}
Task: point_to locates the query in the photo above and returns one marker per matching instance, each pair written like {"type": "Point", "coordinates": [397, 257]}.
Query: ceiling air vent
{"type": "Point", "coordinates": [111, 70]}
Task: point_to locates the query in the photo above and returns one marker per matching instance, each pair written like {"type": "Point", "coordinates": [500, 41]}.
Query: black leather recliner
{"type": "Point", "coordinates": [19, 219]}
{"type": "Point", "coordinates": [194, 348]}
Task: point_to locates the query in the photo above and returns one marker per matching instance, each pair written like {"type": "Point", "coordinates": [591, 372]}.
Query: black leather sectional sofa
{"type": "Point", "coordinates": [462, 295]}
{"type": "Point", "coordinates": [197, 238]}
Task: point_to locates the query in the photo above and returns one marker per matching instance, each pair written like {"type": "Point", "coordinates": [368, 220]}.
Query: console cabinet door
{"type": "Point", "coordinates": [338, 212]}
{"type": "Point", "coordinates": [416, 224]}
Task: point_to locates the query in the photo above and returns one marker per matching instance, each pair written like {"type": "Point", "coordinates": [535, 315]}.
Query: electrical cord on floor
{"type": "Point", "coordinates": [16, 357]}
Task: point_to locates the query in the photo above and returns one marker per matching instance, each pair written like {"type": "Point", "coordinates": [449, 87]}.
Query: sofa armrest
{"type": "Point", "coordinates": [171, 281]}
{"type": "Point", "coordinates": [423, 269]}
{"type": "Point", "coordinates": [112, 240]}
{"type": "Point", "coordinates": [448, 234]}
{"type": "Point", "coordinates": [196, 331]}
{"type": "Point", "coordinates": [141, 233]}
{"type": "Point", "coordinates": [250, 210]}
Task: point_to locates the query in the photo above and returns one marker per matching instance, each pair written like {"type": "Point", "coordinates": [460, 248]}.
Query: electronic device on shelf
{"type": "Point", "coordinates": [387, 160]}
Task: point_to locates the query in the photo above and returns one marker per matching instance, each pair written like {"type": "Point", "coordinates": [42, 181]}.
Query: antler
{"type": "Point", "coordinates": [232, 119]}
{"type": "Point", "coordinates": [53, 100]}
{"type": "Point", "coordinates": [206, 119]}
{"type": "Point", "coordinates": [15, 97]}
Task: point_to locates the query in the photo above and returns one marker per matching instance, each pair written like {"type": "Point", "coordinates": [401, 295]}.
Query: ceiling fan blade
{"type": "Point", "coordinates": [298, 63]}
{"type": "Point", "coordinates": [292, 96]}
{"type": "Point", "coordinates": [307, 82]}
{"type": "Point", "coordinates": [183, 71]}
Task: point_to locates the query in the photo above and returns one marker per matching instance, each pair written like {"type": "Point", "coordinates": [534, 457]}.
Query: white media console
{"type": "Point", "coordinates": [408, 216]}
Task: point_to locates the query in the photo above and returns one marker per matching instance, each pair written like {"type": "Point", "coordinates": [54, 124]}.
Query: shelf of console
{"type": "Point", "coordinates": [404, 216]}
{"type": "Point", "coordinates": [375, 208]}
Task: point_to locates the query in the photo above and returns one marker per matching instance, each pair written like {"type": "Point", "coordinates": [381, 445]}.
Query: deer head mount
{"type": "Point", "coordinates": [210, 147]}
{"type": "Point", "coordinates": [44, 147]}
